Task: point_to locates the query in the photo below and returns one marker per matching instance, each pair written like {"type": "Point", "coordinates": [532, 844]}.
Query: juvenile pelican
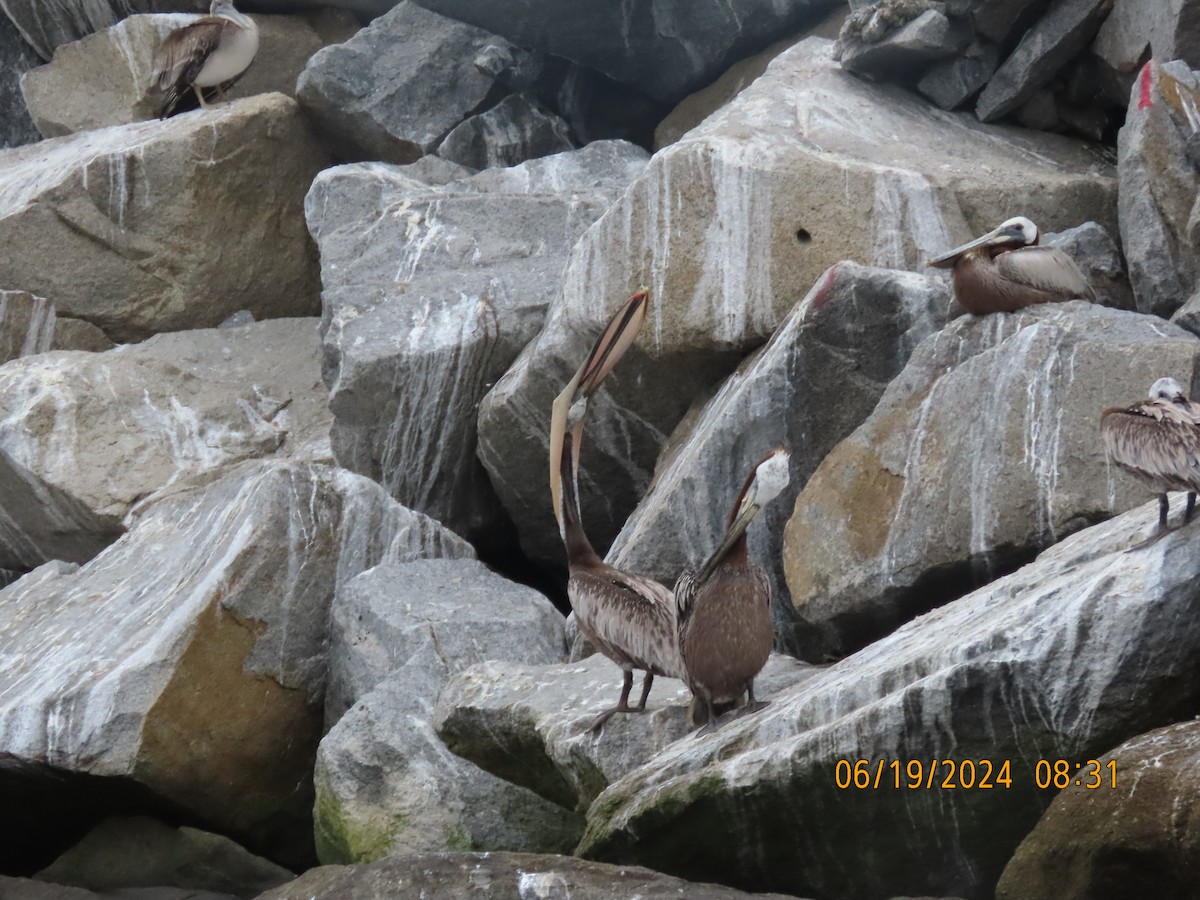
{"type": "Point", "coordinates": [1006, 270]}
{"type": "Point", "coordinates": [210, 52]}
{"type": "Point", "coordinates": [630, 618]}
{"type": "Point", "coordinates": [1158, 441]}
{"type": "Point", "coordinates": [724, 608]}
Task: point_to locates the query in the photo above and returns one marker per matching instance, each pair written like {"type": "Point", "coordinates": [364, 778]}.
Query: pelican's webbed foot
{"type": "Point", "coordinates": [623, 704]}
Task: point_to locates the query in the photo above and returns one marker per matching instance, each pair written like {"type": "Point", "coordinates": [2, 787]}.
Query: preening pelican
{"type": "Point", "coordinates": [630, 618]}
{"type": "Point", "coordinates": [1006, 270]}
{"type": "Point", "coordinates": [724, 607]}
{"type": "Point", "coordinates": [213, 51]}
{"type": "Point", "coordinates": [1158, 441]}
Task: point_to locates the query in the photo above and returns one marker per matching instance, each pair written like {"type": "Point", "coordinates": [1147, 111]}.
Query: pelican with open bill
{"type": "Point", "coordinates": [211, 52]}
{"type": "Point", "coordinates": [630, 618]}
{"type": "Point", "coordinates": [1006, 270]}
{"type": "Point", "coordinates": [1158, 441]}
{"type": "Point", "coordinates": [723, 609]}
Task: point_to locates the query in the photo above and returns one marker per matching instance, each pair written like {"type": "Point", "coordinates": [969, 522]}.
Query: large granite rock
{"type": "Point", "coordinates": [906, 45]}
{"type": "Point", "coordinates": [140, 852]}
{"type": "Point", "coordinates": [187, 661]}
{"type": "Point", "coordinates": [430, 292]}
{"type": "Point", "coordinates": [530, 724]}
{"type": "Point", "coordinates": [1136, 31]}
{"type": "Point", "coordinates": [84, 436]}
{"type": "Point", "coordinates": [1158, 164]}
{"type": "Point", "coordinates": [498, 876]}
{"type": "Point", "coordinates": [984, 450]}
{"type": "Point", "coordinates": [1093, 643]}
{"type": "Point", "coordinates": [30, 325]}
{"type": "Point", "coordinates": [665, 52]}
{"type": "Point", "coordinates": [397, 88]}
{"type": "Point", "coordinates": [816, 380]}
{"type": "Point", "coordinates": [729, 227]}
{"type": "Point", "coordinates": [1057, 37]}
{"type": "Point", "coordinates": [16, 58]}
{"type": "Point", "coordinates": [514, 130]}
{"type": "Point", "coordinates": [159, 226]}
{"type": "Point", "coordinates": [116, 64]}
{"type": "Point", "coordinates": [1124, 826]}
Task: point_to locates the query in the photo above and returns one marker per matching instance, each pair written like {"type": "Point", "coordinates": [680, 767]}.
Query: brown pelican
{"type": "Point", "coordinates": [724, 608]}
{"type": "Point", "coordinates": [1006, 270]}
{"type": "Point", "coordinates": [210, 52]}
{"type": "Point", "coordinates": [1158, 441]}
{"type": "Point", "coordinates": [630, 618]}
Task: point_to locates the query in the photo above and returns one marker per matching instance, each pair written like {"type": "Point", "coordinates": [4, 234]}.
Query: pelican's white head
{"type": "Point", "coordinates": [1166, 389]}
{"type": "Point", "coordinates": [771, 477]}
{"type": "Point", "coordinates": [1018, 230]}
{"type": "Point", "coordinates": [221, 8]}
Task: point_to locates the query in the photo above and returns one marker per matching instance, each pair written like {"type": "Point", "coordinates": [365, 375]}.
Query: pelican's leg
{"type": "Point", "coordinates": [1191, 507]}
{"type": "Point", "coordinates": [622, 704]}
{"type": "Point", "coordinates": [200, 96]}
{"type": "Point", "coordinates": [1164, 509]}
{"type": "Point", "coordinates": [752, 705]}
{"type": "Point", "coordinates": [710, 724]}
{"type": "Point", "coordinates": [646, 682]}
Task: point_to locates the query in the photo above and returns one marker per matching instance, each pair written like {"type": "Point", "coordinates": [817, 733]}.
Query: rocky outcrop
{"type": "Point", "coordinates": [84, 436]}
{"type": "Point", "coordinates": [1158, 164]}
{"type": "Point", "coordinates": [1086, 647]}
{"type": "Point", "coordinates": [30, 325]}
{"type": "Point", "coordinates": [530, 724]}
{"type": "Point", "coordinates": [1134, 32]}
{"type": "Point", "coordinates": [984, 450]}
{"type": "Point", "coordinates": [16, 58]}
{"type": "Point", "coordinates": [514, 130]}
{"type": "Point", "coordinates": [162, 226]}
{"type": "Point", "coordinates": [498, 876]}
{"type": "Point", "coordinates": [116, 64]}
{"type": "Point", "coordinates": [430, 292]}
{"type": "Point", "coordinates": [133, 852]}
{"type": "Point", "coordinates": [1124, 824]}
{"type": "Point", "coordinates": [207, 618]}
{"type": "Point", "coordinates": [728, 244]}
{"type": "Point", "coordinates": [816, 380]}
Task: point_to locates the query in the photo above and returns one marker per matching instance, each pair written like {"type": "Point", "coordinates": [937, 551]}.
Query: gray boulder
{"type": "Point", "coordinates": [430, 292]}
{"type": "Point", "coordinates": [116, 64]}
{"type": "Point", "coordinates": [397, 88]}
{"type": "Point", "coordinates": [927, 37]}
{"type": "Point", "coordinates": [816, 380]}
{"type": "Point", "coordinates": [208, 618]}
{"type": "Point", "coordinates": [1136, 31]}
{"type": "Point", "coordinates": [499, 876]}
{"type": "Point", "coordinates": [1057, 37]}
{"type": "Point", "coordinates": [1093, 643]}
{"type": "Point", "coordinates": [665, 53]}
{"type": "Point", "coordinates": [514, 130]}
{"type": "Point", "coordinates": [137, 851]}
{"type": "Point", "coordinates": [30, 325]}
{"type": "Point", "coordinates": [86, 435]}
{"type": "Point", "coordinates": [1125, 823]}
{"type": "Point", "coordinates": [529, 724]}
{"type": "Point", "coordinates": [952, 82]}
{"type": "Point", "coordinates": [16, 58]}
{"type": "Point", "coordinates": [985, 450]}
{"type": "Point", "coordinates": [1159, 171]}
{"type": "Point", "coordinates": [161, 226]}
{"type": "Point", "coordinates": [728, 244]}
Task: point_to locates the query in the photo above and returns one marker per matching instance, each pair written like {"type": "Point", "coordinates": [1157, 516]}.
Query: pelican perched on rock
{"type": "Point", "coordinates": [724, 607]}
{"type": "Point", "coordinates": [1006, 270]}
{"type": "Point", "coordinates": [630, 618]}
{"type": "Point", "coordinates": [213, 51]}
{"type": "Point", "coordinates": [1158, 441]}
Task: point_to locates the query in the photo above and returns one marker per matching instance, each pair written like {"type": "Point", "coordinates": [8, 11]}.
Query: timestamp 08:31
{"type": "Point", "coordinates": [969, 774]}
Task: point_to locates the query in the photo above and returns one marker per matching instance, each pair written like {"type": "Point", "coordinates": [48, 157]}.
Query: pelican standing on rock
{"type": "Point", "coordinates": [724, 607]}
{"type": "Point", "coordinates": [1158, 441]}
{"type": "Point", "coordinates": [1006, 270]}
{"type": "Point", "coordinates": [630, 618]}
{"type": "Point", "coordinates": [210, 52]}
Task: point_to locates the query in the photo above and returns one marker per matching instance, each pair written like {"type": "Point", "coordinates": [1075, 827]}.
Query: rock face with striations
{"type": "Point", "coordinates": [983, 451]}
{"type": "Point", "coordinates": [1125, 827]}
{"type": "Point", "coordinates": [30, 325]}
{"type": "Point", "coordinates": [192, 624]}
{"type": "Point", "coordinates": [430, 292]}
{"type": "Point", "coordinates": [816, 380]}
{"type": "Point", "coordinates": [16, 58]}
{"type": "Point", "coordinates": [116, 64]}
{"type": "Point", "coordinates": [1158, 163]}
{"type": "Point", "coordinates": [1086, 647]}
{"type": "Point", "coordinates": [729, 227]}
{"type": "Point", "coordinates": [159, 226]}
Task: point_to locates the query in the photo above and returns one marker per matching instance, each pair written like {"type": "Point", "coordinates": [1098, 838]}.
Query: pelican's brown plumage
{"type": "Point", "coordinates": [1006, 270]}
{"type": "Point", "coordinates": [213, 51]}
{"type": "Point", "coordinates": [724, 607]}
{"type": "Point", "coordinates": [1158, 441]}
{"type": "Point", "coordinates": [629, 618]}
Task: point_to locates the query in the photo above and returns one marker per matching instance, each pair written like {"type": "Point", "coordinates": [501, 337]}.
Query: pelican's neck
{"type": "Point", "coordinates": [580, 551]}
{"type": "Point", "coordinates": [238, 18]}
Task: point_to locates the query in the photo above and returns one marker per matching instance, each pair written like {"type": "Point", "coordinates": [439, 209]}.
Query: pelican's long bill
{"type": "Point", "coordinates": [1015, 232]}
{"type": "Point", "coordinates": [765, 483]}
{"type": "Point", "coordinates": [570, 406]}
